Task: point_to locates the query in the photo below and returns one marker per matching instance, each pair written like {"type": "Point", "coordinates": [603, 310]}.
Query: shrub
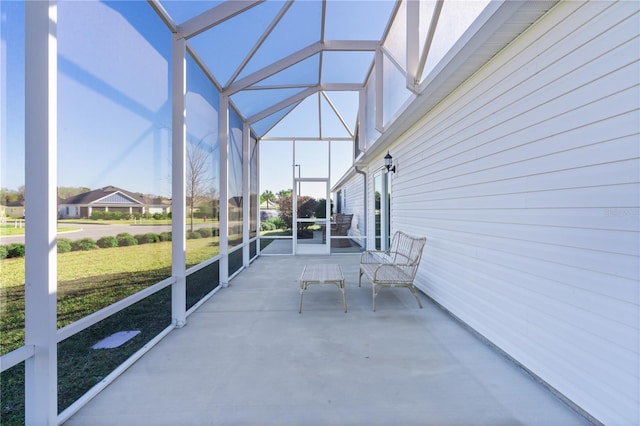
{"type": "Point", "coordinates": [84, 244]}
{"type": "Point", "coordinates": [147, 238]}
{"type": "Point", "coordinates": [125, 239]}
{"type": "Point", "coordinates": [107, 242]}
{"type": "Point", "coordinates": [267, 226]}
{"type": "Point", "coordinates": [165, 236]}
{"type": "Point", "coordinates": [97, 214]}
{"type": "Point", "coordinates": [277, 222]}
{"type": "Point", "coordinates": [193, 235]}
{"type": "Point", "coordinates": [15, 250]}
{"type": "Point", "coordinates": [118, 215]}
{"type": "Point", "coordinates": [4, 252]}
{"type": "Point", "coordinates": [64, 245]}
{"type": "Point", "coordinates": [205, 232]}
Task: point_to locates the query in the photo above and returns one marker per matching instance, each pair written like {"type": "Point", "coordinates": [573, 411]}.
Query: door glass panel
{"type": "Point", "coordinates": [310, 225]}
{"type": "Point", "coordinates": [310, 220]}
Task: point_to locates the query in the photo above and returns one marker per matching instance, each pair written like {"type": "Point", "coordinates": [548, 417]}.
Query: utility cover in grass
{"type": "Point", "coordinates": [116, 339]}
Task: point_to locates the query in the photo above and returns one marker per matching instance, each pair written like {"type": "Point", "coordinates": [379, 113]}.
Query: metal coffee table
{"type": "Point", "coordinates": [322, 274]}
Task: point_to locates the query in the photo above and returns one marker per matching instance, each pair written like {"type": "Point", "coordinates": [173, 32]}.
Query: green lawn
{"type": "Point", "coordinates": [87, 282]}
{"type": "Point", "coordinates": [90, 280]}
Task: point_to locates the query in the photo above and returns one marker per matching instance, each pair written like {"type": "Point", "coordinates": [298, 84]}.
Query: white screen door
{"type": "Point", "coordinates": [310, 225]}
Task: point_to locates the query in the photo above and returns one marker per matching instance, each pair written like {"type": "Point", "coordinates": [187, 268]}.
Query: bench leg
{"type": "Point", "coordinates": [344, 297]}
{"type": "Point", "coordinates": [415, 294]}
{"type": "Point", "coordinates": [300, 304]}
{"type": "Point", "coordinates": [375, 293]}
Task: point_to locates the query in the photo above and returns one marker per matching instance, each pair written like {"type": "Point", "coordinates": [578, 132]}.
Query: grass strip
{"type": "Point", "coordinates": [89, 281]}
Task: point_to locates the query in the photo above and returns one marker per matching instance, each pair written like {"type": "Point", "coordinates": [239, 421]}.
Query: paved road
{"type": "Point", "coordinates": [96, 231]}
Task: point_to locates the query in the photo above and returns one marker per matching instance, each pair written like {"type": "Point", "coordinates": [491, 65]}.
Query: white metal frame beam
{"type": "Point", "coordinates": [214, 16]}
{"type": "Point", "coordinates": [379, 90]}
{"type": "Point", "coordinates": [333, 87]}
{"type": "Point", "coordinates": [261, 40]}
{"type": "Point", "coordinates": [163, 14]}
{"type": "Point", "coordinates": [299, 56]}
{"type": "Point", "coordinates": [223, 227]}
{"type": "Point", "coordinates": [362, 120]}
{"type": "Point", "coordinates": [337, 113]}
{"type": "Point", "coordinates": [257, 172]}
{"type": "Point", "coordinates": [41, 117]}
{"type": "Point", "coordinates": [246, 193]}
{"type": "Point", "coordinates": [413, 43]}
{"type": "Point", "coordinates": [427, 44]}
{"type": "Point", "coordinates": [178, 180]}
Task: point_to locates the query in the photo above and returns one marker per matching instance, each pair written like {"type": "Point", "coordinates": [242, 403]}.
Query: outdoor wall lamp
{"type": "Point", "coordinates": [388, 163]}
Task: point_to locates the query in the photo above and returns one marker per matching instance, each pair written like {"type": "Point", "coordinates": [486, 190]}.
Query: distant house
{"type": "Point", "coordinates": [110, 199]}
{"type": "Point", "coordinates": [155, 205]}
{"type": "Point", "coordinates": [13, 209]}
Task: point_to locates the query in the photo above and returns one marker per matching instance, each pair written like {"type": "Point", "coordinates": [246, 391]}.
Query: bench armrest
{"type": "Point", "coordinates": [375, 256]}
{"type": "Point", "coordinates": [393, 273]}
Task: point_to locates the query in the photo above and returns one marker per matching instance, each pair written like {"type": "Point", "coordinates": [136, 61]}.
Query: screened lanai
{"type": "Point", "coordinates": [210, 106]}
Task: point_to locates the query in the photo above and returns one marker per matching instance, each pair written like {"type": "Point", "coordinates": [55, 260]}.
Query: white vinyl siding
{"type": "Point", "coordinates": [525, 181]}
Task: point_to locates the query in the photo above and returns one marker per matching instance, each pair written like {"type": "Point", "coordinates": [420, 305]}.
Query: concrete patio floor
{"type": "Point", "coordinates": [246, 357]}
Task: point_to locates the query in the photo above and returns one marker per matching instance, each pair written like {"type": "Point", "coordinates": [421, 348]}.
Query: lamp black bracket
{"type": "Point", "coordinates": [388, 163]}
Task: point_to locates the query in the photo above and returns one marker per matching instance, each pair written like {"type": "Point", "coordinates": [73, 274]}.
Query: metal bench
{"type": "Point", "coordinates": [395, 267]}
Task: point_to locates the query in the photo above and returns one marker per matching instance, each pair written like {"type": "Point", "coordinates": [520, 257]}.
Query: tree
{"type": "Point", "coordinates": [199, 182]}
{"type": "Point", "coordinates": [306, 208]}
{"type": "Point", "coordinates": [321, 209]}
{"type": "Point", "coordinates": [65, 192]}
{"type": "Point", "coordinates": [11, 195]}
{"type": "Point", "coordinates": [267, 197]}
{"type": "Point", "coordinates": [284, 193]}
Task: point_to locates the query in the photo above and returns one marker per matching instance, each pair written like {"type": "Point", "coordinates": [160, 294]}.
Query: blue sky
{"type": "Point", "coordinates": [114, 110]}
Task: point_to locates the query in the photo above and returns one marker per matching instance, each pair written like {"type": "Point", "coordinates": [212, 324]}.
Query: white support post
{"type": "Point", "coordinates": [178, 179]}
{"type": "Point", "coordinates": [327, 209]}
{"type": "Point", "coordinates": [413, 43]}
{"type": "Point", "coordinates": [379, 65]}
{"type": "Point", "coordinates": [41, 375]}
{"type": "Point", "coordinates": [224, 190]}
{"type": "Point", "coordinates": [294, 201]}
{"type": "Point", "coordinates": [257, 172]}
{"type": "Point", "coordinates": [246, 194]}
{"type": "Point", "coordinates": [362, 120]}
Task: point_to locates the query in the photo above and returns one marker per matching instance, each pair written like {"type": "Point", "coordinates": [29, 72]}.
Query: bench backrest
{"type": "Point", "coordinates": [406, 249]}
